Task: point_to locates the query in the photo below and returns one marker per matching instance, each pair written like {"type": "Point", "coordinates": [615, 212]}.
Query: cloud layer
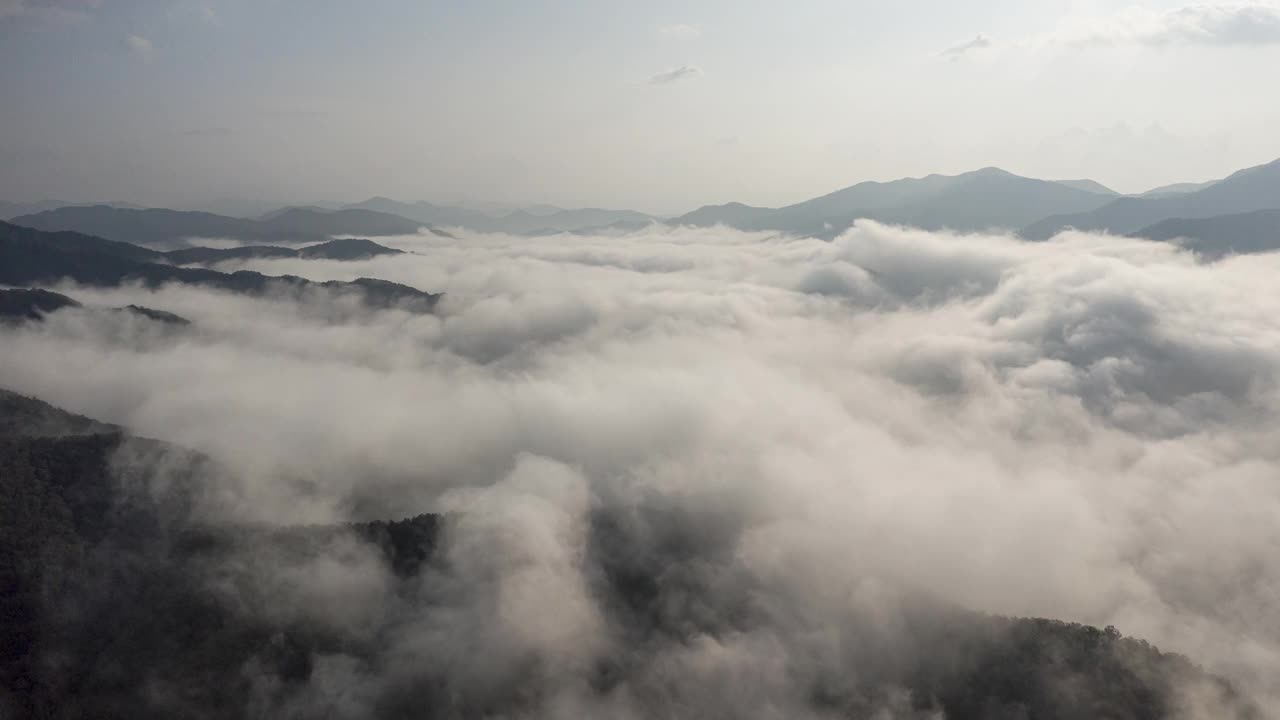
{"type": "Point", "coordinates": [1082, 428]}
{"type": "Point", "coordinates": [1224, 24]}
{"type": "Point", "coordinates": [1250, 24]}
{"type": "Point", "coordinates": [674, 74]}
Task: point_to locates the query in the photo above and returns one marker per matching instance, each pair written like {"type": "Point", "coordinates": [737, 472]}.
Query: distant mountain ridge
{"type": "Point", "coordinates": [1251, 189]}
{"type": "Point", "coordinates": [524, 221]}
{"type": "Point", "coordinates": [341, 249]}
{"type": "Point", "coordinates": [984, 199]}
{"type": "Point", "coordinates": [1176, 189]}
{"type": "Point", "coordinates": [10, 210]}
{"type": "Point", "coordinates": [1221, 235]}
{"type": "Point", "coordinates": [1092, 186]}
{"type": "Point", "coordinates": [30, 257]}
{"type": "Point", "coordinates": [159, 228]}
{"type": "Point", "coordinates": [430, 213]}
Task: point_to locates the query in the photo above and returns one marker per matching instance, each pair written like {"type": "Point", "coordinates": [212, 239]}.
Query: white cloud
{"type": "Point", "coordinates": [1244, 24]}
{"type": "Point", "coordinates": [141, 47]}
{"type": "Point", "coordinates": [680, 30]}
{"type": "Point", "coordinates": [1082, 428]}
{"type": "Point", "coordinates": [674, 74]}
{"type": "Point", "coordinates": [980, 42]}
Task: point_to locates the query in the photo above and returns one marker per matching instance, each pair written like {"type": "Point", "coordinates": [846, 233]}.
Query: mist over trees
{"type": "Point", "coordinates": [677, 471]}
{"type": "Point", "coordinates": [121, 602]}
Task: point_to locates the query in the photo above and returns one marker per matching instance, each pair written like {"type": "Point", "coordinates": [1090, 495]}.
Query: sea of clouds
{"type": "Point", "coordinates": [1084, 429]}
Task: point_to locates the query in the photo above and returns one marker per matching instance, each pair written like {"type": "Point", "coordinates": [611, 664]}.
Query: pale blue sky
{"type": "Point", "coordinates": [660, 106]}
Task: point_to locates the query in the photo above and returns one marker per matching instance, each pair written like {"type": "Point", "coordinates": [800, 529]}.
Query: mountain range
{"type": "Point", "coordinates": [160, 228]}
{"type": "Point", "coordinates": [341, 249]}
{"type": "Point", "coordinates": [1221, 235]}
{"type": "Point", "coordinates": [986, 199]}
{"type": "Point", "coordinates": [1255, 188]}
{"type": "Point", "coordinates": [31, 257]}
{"type": "Point", "coordinates": [1092, 186]}
{"type": "Point", "coordinates": [1176, 189]}
{"type": "Point", "coordinates": [1234, 215]}
{"type": "Point", "coordinates": [10, 210]}
{"type": "Point", "coordinates": [980, 200]}
{"type": "Point", "coordinates": [109, 608]}
{"type": "Point", "coordinates": [523, 221]}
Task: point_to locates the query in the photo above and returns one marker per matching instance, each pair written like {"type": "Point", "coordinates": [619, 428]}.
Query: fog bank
{"type": "Point", "coordinates": [1081, 429]}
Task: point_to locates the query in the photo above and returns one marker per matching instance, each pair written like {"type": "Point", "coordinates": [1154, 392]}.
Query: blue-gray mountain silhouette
{"type": "Point", "coordinates": [1256, 188]}
{"type": "Point", "coordinates": [31, 257]}
{"type": "Point", "coordinates": [1221, 235]}
{"type": "Point", "coordinates": [341, 249]}
{"type": "Point", "coordinates": [523, 221]}
{"type": "Point", "coordinates": [981, 200]}
{"type": "Point", "coordinates": [159, 228]}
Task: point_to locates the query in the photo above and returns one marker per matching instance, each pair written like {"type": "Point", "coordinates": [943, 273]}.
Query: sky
{"type": "Point", "coordinates": [657, 106]}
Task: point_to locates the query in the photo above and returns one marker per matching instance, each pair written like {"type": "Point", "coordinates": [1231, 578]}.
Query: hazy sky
{"type": "Point", "coordinates": [660, 106]}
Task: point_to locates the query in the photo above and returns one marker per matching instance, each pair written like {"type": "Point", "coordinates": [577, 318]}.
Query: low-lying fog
{"type": "Point", "coordinates": [1083, 429]}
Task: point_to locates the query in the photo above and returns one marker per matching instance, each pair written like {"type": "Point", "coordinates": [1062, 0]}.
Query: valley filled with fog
{"type": "Point", "coordinates": [831, 360]}
{"type": "Point", "coordinates": [792, 435]}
